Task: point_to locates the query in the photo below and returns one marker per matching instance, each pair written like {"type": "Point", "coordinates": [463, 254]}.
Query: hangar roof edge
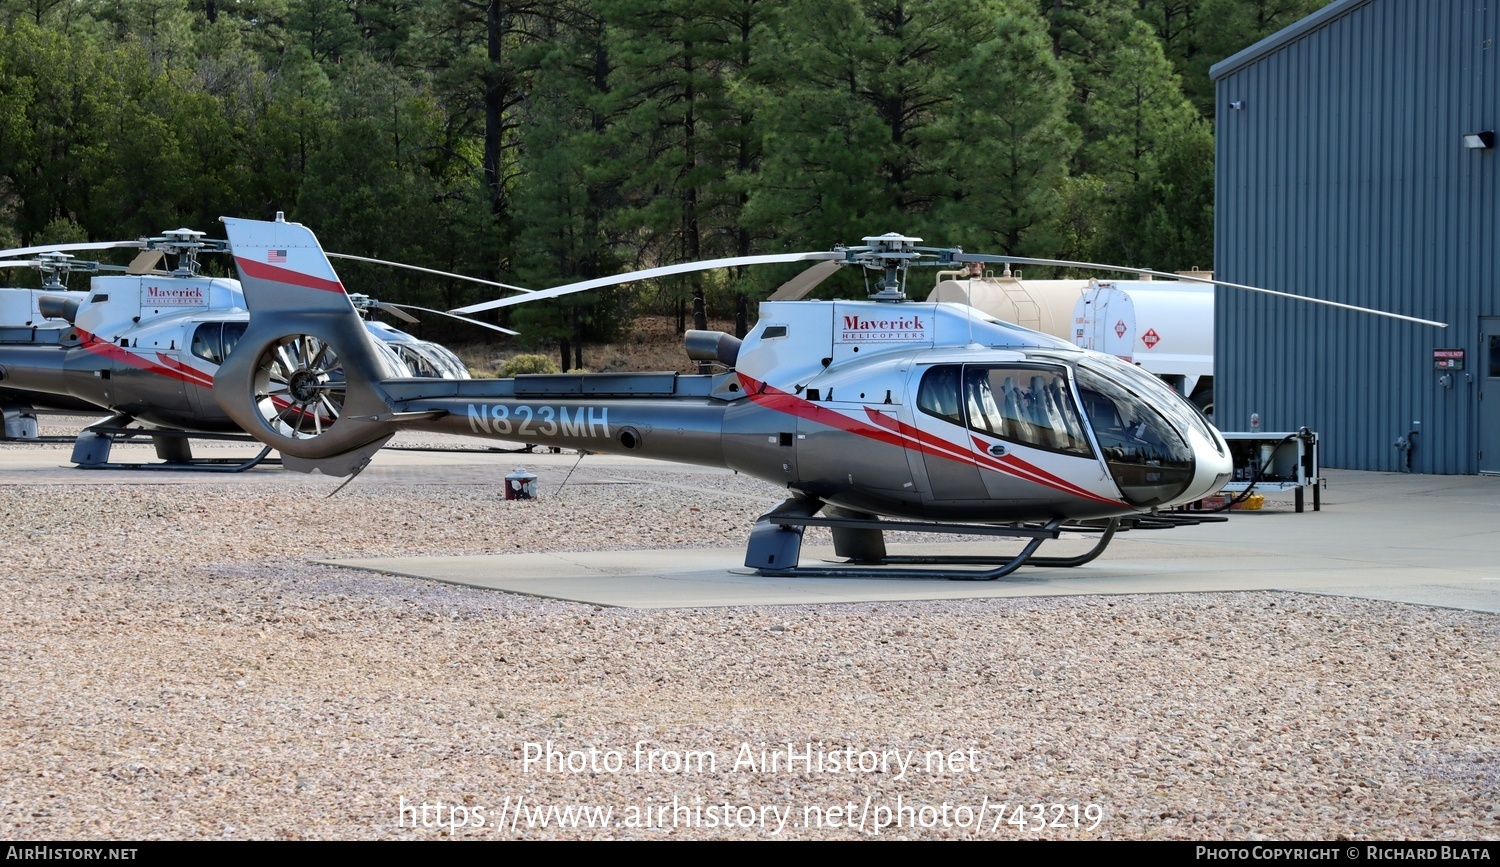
{"type": "Point", "coordinates": [1283, 37]}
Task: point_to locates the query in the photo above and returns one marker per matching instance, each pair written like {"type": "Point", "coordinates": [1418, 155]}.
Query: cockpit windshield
{"type": "Point", "coordinates": [1170, 403]}
{"type": "Point", "coordinates": [1147, 454]}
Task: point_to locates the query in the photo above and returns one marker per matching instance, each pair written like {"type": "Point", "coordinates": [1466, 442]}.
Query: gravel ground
{"type": "Point", "coordinates": [174, 666]}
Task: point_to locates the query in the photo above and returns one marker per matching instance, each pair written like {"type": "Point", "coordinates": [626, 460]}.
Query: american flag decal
{"type": "Point", "coordinates": [276, 256]}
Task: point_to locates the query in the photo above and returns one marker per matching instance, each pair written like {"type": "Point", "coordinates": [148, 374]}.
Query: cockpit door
{"type": "Point", "coordinates": [947, 458]}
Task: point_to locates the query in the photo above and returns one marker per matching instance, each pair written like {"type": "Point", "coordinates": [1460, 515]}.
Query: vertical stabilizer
{"type": "Point", "coordinates": [305, 377]}
{"type": "Point", "coordinates": [282, 267]}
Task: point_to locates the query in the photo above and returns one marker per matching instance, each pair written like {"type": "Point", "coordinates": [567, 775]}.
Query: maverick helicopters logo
{"type": "Point", "coordinates": [861, 329]}
{"type": "Point", "coordinates": [173, 296]}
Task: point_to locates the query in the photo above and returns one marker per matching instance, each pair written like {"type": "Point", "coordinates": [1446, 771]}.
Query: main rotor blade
{"type": "Point", "coordinates": [1022, 260]}
{"type": "Point", "coordinates": [797, 288]}
{"type": "Point", "coordinates": [78, 265]}
{"type": "Point", "coordinates": [452, 316]}
{"type": "Point", "coordinates": [396, 311]}
{"type": "Point", "coordinates": [144, 262]}
{"type": "Point", "coordinates": [63, 248]}
{"type": "Point", "coordinates": [651, 273]}
{"type": "Point", "coordinates": [427, 271]}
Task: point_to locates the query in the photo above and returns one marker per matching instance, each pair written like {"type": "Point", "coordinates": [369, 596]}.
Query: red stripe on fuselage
{"type": "Point", "coordinates": [1009, 464]}
{"type": "Point", "coordinates": [262, 271]}
{"type": "Point", "coordinates": [790, 404]}
{"type": "Point", "coordinates": [168, 367]}
{"type": "Point", "coordinates": [898, 433]}
{"type": "Point", "coordinates": [186, 373]}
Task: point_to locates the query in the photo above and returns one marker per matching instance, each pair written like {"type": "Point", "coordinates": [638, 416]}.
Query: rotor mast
{"type": "Point", "coordinates": [185, 244]}
{"type": "Point", "coordinates": [53, 265]}
{"type": "Point", "coordinates": [892, 254]}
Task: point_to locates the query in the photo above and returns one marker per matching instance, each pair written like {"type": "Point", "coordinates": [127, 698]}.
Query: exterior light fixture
{"type": "Point", "coordinates": [1238, 105]}
{"type": "Point", "coordinates": [1479, 141]}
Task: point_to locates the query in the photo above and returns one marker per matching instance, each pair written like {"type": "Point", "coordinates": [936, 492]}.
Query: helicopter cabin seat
{"type": "Point", "coordinates": [1017, 414]}
{"type": "Point", "coordinates": [1051, 420]}
{"type": "Point", "coordinates": [984, 412]}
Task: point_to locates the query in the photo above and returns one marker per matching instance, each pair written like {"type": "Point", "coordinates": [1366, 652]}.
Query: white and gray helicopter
{"type": "Point", "coordinates": [143, 344]}
{"type": "Point", "coordinates": [873, 415]}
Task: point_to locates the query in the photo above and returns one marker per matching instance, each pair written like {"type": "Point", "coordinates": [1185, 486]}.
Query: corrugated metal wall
{"type": "Point", "coordinates": [1344, 176]}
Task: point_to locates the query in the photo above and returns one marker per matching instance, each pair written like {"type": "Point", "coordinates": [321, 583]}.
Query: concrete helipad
{"type": "Point", "coordinates": [1428, 540]}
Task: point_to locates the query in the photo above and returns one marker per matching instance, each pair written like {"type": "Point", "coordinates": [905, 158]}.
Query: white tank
{"type": "Point", "coordinates": [1041, 305]}
{"type": "Point", "coordinates": [1164, 326]}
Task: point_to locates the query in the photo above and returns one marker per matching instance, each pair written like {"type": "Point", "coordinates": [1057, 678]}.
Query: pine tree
{"type": "Point", "coordinates": [1011, 140]}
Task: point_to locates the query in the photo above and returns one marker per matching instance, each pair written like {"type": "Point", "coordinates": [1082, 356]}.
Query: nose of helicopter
{"type": "Point", "coordinates": [1213, 465]}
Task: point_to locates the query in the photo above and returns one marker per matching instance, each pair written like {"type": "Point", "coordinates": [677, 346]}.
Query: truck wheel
{"type": "Point", "coordinates": [1203, 398]}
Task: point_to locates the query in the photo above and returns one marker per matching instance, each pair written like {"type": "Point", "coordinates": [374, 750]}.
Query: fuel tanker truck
{"type": "Point", "coordinates": [1164, 326]}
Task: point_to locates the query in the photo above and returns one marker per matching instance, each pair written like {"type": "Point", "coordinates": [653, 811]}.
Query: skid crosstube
{"type": "Point", "coordinates": [776, 543]}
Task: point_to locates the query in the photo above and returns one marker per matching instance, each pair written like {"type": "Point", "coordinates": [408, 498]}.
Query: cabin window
{"type": "Point", "coordinates": [1183, 414]}
{"type": "Point", "coordinates": [1030, 406]}
{"type": "Point", "coordinates": [1148, 456]}
{"type": "Point", "coordinates": [207, 343]}
{"type": "Point", "coordinates": [1026, 405]}
{"type": "Point", "coordinates": [233, 331]}
{"type": "Point", "coordinates": [938, 394]}
{"type": "Point", "coordinates": [213, 341]}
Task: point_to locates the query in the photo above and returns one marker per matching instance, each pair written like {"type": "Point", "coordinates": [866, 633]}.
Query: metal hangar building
{"type": "Point", "coordinates": [1357, 162]}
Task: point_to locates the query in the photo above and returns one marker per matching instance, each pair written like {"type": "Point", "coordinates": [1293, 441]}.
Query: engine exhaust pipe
{"type": "Point", "coordinates": [712, 346]}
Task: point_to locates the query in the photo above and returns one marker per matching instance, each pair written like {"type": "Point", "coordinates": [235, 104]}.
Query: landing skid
{"type": "Point", "coordinates": [776, 544]}
{"type": "Point", "coordinates": [92, 447]}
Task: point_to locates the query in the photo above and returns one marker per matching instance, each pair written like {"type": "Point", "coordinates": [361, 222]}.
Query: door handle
{"type": "Point", "coordinates": [997, 450]}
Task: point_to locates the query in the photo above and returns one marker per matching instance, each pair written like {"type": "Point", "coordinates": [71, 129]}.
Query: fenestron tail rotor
{"type": "Point", "coordinates": [299, 386]}
{"type": "Point", "coordinates": [305, 376]}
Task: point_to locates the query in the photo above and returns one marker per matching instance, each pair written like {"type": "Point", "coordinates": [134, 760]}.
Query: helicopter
{"type": "Point", "coordinates": [144, 343]}
{"type": "Point", "coordinates": [876, 415]}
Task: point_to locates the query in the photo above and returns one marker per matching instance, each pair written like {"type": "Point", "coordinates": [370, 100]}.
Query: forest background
{"type": "Point", "coordinates": [540, 143]}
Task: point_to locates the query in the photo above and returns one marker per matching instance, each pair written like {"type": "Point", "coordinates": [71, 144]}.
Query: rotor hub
{"type": "Point", "coordinates": [304, 385]}
{"type": "Point", "coordinates": [185, 244]}
{"type": "Point", "coordinates": [892, 254]}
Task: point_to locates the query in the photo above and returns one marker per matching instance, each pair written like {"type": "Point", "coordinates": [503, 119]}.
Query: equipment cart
{"type": "Point", "coordinates": [1276, 462]}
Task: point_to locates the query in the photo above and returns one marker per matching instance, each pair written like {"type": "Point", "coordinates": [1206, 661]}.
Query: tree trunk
{"type": "Point", "coordinates": [495, 98]}
{"type": "Point", "coordinates": [700, 311]}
